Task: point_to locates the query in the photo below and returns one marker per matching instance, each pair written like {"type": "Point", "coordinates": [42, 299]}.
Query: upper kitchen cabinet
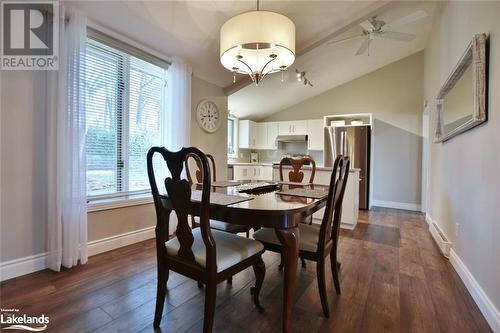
{"type": "Point", "coordinates": [315, 134]}
{"type": "Point", "coordinates": [254, 135]}
{"type": "Point", "coordinates": [272, 133]}
{"type": "Point", "coordinates": [266, 135]}
{"type": "Point", "coordinates": [298, 127]}
{"type": "Point", "coordinates": [247, 134]}
{"type": "Point", "coordinates": [260, 136]}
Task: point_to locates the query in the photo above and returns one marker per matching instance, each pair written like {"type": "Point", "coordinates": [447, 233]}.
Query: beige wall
{"type": "Point", "coordinates": [23, 205]}
{"type": "Point", "coordinates": [394, 94]}
{"type": "Point", "coordinates": [464, 178]}
{"type": "Point", "coordinates": [214, 143]}
{"type": "Point", "coordinates": [23, 213]}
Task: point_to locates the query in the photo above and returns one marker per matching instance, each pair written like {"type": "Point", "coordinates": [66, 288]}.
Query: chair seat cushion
{"type": "Point", "coordinates": [224, 226]}
{"type": "Point", "coordinates": [309, 236]}
{"type": "Point", "coordinates": [231, 249]}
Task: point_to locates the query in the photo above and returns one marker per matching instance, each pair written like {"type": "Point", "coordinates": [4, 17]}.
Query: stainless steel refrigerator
{"type": "Point", "coordinates": [352, 141]}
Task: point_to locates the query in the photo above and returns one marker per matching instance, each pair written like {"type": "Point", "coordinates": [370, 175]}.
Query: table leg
{"type": "Point", "coordinates": [289, 239]}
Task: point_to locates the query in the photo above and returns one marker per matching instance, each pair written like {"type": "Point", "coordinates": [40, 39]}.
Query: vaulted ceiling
{"type": "Point", "coordinates": [190, 29]}
{"type": "Point", "coordinates": [330, 65]}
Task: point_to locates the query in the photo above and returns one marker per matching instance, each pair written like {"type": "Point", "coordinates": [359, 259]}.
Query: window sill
{"type": "Point", "coordinates": [130, 200]}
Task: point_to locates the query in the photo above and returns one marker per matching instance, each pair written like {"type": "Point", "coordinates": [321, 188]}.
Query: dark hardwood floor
{"type": "Point", "coordinates": [393, 279]}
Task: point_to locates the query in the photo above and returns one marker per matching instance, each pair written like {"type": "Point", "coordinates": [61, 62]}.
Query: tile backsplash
{"type": "Point", "coordinates": [272, 156]}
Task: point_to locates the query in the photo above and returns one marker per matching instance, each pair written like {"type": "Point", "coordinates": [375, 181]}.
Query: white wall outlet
{"type": "Point", "coordinates": [457, 229]}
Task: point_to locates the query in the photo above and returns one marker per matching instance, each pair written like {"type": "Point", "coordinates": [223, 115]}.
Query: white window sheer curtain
{"type": "Point", "coordinates": [178, 116]}
{"type": "Point", "coordinates": [66, 179]}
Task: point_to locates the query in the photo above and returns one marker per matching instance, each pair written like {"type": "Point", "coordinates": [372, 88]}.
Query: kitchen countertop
{"type": "Point", "coordinates": [276, 165]}
{"type": "Point", "coordinates": [248, 163]}
{"type": "Point", "coordinates": [318, 168]}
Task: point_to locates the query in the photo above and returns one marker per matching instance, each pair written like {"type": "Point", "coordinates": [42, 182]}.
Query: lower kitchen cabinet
{"type": "Point", "coordinates": [350, 205]}
{"type": "Point", "coordinates": [252, 172]}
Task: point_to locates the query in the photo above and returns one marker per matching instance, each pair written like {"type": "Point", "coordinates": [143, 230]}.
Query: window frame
{"type": "Point", "coordinates": [127, 198]}
{"type": "Point", "coordinates": [235, 136]}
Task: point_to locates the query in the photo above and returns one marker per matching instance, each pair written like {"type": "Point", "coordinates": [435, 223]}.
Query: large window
{"type": "Point", "coordinates": [125, 107]}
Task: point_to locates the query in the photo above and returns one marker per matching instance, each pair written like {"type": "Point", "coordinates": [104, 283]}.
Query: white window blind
{"type": "Point", "coordinates": [125, 106]}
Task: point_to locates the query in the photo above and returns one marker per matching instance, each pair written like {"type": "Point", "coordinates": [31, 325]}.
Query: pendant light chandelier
{"type": "Point", "coordinates": [257, 43]}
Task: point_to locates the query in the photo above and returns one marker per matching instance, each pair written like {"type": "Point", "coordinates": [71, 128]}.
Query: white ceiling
{"type": "Point", "coordinates": [331, 65]}
{"type": "Point", "coordinates": [190, 29]}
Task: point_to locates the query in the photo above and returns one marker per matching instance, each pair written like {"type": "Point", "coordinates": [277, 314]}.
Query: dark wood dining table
{"type": "Point", "coordinates": [269, 209]}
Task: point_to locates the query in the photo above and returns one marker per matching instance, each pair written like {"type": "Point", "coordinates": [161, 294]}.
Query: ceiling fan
{"type": "Point", "coordinates": [374, 28]}
{"type": "Point", "coordinates": [301, 77]}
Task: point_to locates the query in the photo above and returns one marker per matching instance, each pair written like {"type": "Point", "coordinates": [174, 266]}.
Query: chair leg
{"type": "Point", "coordinates": [200, 284]}
{"type": "Point", "coordinates": [303, 262]}
{"type": "Point", "coordinates": [335, 271]}
{"type": "Point", "coordinates": [230, 280]}
{"type": "Point", "coordinates": [248, 233]}
{"type": "Point", "coordinates": [161, 292]}
{"type": "Point", "coordinates": [210, 294]}
{"type": "Point", "coordinates": [282, 262]}
{"type": "Point", "coordinates": [320, 274]}
{"type": "Point", "coordinates": [260, 272]}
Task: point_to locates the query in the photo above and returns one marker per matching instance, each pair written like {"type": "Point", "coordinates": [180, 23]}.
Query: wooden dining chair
{"type": "Point", "coordinates": [219, 225]}
{"type": "Point", "coordinates": [202, 254]}
{"type": "Point", "coordinates": [295, 175]}
{"type": "Point", "coordinates": [317, 243]}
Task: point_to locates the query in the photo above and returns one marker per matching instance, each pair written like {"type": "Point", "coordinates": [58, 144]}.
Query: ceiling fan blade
{"type": "Point", "coordinates": [364, 46]}
{"type": "Point", "coordinates": [367, 25]}
{"type": "Point", "coordinates": [345, 39]}
{"type": "Point", "coordinates": [401, 36]}
{"type": "Point", "coordinates": [418, 15]}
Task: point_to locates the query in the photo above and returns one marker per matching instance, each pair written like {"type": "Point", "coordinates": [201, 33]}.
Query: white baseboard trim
{"type": "Point", "coordinates": [428, 219]}
{"type": "Point", "coordinates": [117, 241]}
{"type": "Point", "coordinates": [348, 226]}
{"type": "Point", "coordinates": [489, 311]}
{"type": "Point", "coordinates": [17, 267]}
{"type": "Point", "coordinates": [22, 266]}
{"type": "Point", "coordinates": [396, 205]}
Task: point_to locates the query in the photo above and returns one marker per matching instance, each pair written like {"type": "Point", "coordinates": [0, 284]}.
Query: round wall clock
{"type": "Point", "coordinates": [208, 116]}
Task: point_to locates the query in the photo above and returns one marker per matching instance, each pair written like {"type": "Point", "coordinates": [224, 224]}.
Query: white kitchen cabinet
{"type": "Point", "coordinates": [243, 172]}
{"type": "Point", "coordinates": [247, 132]}
{"type": "Point", "coordinates": [315, 134]}
{"type": "Point", "coordinates": [266, 172]}
{"type": "Point", "coordinates": [252, 172]}
{"type": "Point", "coordinates": [299, 127]}
{"type": "Point", "coordinates": [260, 136]}
{"type": "Point", "coordinates": [350, 205]}
{"type": "Point", "coordinates": [272, 133]}
{"type": "Point", "coordinates": [292, 127]}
